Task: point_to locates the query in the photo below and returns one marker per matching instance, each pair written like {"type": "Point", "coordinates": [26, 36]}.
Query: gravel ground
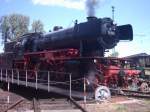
{"type": "Point", "coordinates": [120, 104]}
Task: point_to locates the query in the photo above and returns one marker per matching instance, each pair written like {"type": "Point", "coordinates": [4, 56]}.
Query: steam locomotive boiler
{"type": "Point", "coordinates": [73, 50]}
{"type": "Point", "coordinates": [88, 37]}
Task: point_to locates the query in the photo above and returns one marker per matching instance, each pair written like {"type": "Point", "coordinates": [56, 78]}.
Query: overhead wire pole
{"type": "Point", "coordinates": [113, 18]}
{"type": "Point", "coordinates": [113, 13]}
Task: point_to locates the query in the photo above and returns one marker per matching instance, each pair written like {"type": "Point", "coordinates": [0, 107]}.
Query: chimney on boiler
{"type": "Point", "coordinates": [91, 18]}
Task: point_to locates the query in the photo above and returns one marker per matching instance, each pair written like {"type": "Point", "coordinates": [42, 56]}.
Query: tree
{"type": "Point", "coordinates": [4, 27]}
{"type": "Point", "coordinates": [114, 54]}
{"type": "Point", "coordinates": [13, 26]}
{"type": "Point", "coordinates": [37, 26]}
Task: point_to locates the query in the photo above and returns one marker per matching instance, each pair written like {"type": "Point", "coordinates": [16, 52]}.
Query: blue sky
{"type": "Point", "coordinates": [64, 12]}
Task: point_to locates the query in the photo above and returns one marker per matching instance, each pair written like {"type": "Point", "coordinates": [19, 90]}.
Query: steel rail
{"type": "Point", "coordinates": [13, 105]}
{"type": "Point", "coordinates": [77, 105]}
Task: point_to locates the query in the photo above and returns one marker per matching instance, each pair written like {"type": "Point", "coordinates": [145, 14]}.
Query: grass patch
{"type": "Point", "coordinates": [147, 102]}
{"type": "Point", "coordinates": [121, 108]}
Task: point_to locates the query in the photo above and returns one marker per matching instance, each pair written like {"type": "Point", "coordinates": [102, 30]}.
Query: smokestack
{"type": "Point", "coordinates": [90, 7]}
{"type": "Point", "coordinates": [90, 18]}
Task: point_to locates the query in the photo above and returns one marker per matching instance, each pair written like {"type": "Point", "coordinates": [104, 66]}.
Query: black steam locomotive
{"type": "Point", "coordinates": [70, 50]}
{"type": "Point", "coordinates": [91, 36]}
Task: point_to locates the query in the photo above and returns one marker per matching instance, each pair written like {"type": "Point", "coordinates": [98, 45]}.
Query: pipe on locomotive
{"type": "Point", "coordinates": [97, 34]}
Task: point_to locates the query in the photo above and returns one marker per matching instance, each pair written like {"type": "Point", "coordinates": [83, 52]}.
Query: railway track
{"type": "Point", "coordinates": [137, 94]}
{"type": "Point", "coordinates": [65, 104]}
{"type": "Point", "coordinates": [130, 93]}
{"type": "Point", "coordinates": [51, 105]}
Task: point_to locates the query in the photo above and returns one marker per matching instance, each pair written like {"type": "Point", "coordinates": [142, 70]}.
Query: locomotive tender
{"type": "Point", "coordinates": [76, 50]}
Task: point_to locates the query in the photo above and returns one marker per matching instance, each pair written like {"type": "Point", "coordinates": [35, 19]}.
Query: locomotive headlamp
{"type": "Point", "coordinates": [95, 60]}
{"type": "Point", "coordinates": [112, 30]}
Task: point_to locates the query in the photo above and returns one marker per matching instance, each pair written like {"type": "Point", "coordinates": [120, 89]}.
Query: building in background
{"type": "Point", "coordinates": [141, 60]}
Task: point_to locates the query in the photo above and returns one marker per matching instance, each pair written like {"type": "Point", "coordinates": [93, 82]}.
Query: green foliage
{"type": "Point", "coordinates": [114, 54]}
{"type": "Point", "coordinates": [121, 108]}
{"type": "Point", "coordinates": [37, 26]}
{"type": "Point", "coordinates": [14, 25]}
{"type": "Point", "coordinates": [4, 26]}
